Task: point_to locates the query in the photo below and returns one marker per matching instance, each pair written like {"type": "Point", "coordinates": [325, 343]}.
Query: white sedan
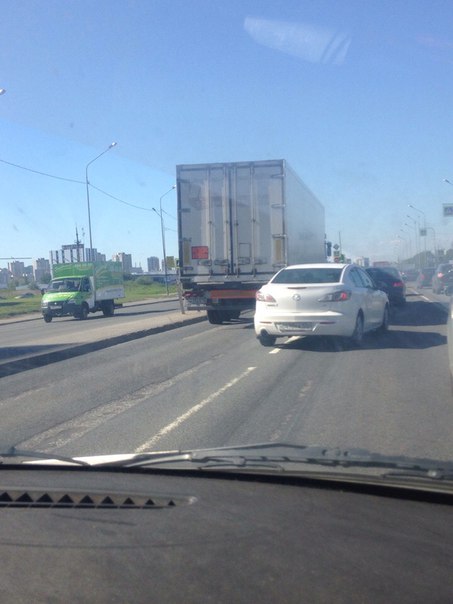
{"type": "Point", "coordinates": [320, 300]}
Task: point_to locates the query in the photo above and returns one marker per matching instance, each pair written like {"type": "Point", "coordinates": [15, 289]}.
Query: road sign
{"type": "Point", "coordinates": [448, 209]}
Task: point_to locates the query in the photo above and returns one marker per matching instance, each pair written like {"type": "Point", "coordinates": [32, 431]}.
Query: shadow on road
{"type": "Point", "coordinates": [418, 313]}
{"type": "Point", "coordinates": [13, 352]}
{"type": "Point", "coordinates": [414, 340]}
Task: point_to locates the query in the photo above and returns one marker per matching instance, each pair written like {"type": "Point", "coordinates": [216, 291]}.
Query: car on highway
{"type": "Point", "coordinates": [389, 280]}
{"type": "Point", "coordinates": [425, 277]}
{"type": "Point", "coordinates": [320, 300]}
{"type": "Point", "coordinates": [442, 277]}
{"type": "Point", "coordinates": [409, 275]}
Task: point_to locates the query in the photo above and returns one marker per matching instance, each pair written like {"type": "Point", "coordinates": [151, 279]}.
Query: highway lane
{"type": "Point", "coordinates": [204, 386]}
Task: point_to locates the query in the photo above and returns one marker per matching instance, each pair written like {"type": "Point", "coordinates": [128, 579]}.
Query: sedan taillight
{"type": "Point", "coordinates": [398, 284]}
{"type": "Point", "coordinates": [339, 296]}
{"type": "Point", "coordinates": [261, 297]}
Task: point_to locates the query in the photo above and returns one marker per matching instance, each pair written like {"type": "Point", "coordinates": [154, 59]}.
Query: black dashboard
{"type": "Point", "coordinates": [98, 536]}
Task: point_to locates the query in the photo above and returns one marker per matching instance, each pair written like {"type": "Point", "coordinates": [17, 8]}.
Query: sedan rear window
{"type": "Point", "coordinates": [308, 275]}
{"type": "Point", "coordinates": [382, 273]}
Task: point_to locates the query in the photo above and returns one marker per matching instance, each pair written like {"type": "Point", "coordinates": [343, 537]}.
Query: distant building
{"type": "Point", "coordinates": [16, 268]}
{"type": "Point", "coordinates": [137, 270]}
{"type": "Point", "coordinates": [41, 267]}
{"type": "Point", "coordinates": [126, 261]}
{"type": "Point", "coordinates": [28, 271]}
{"type": "Point", "coordinates": [153, 264]}
{"type": "Point", "coordinates": [92, 255]}
{"type": "Point", "coordinates": [5, 276]}
{"type": "Point", "coordinates": [74, 252]}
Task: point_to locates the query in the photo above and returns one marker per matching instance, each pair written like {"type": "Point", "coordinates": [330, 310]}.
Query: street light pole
{"type": "Point", "coordinates": [162, 228]}
{"type": "Point", "coordinates": [424, 225]}
{"type": "Point", "coordinates": [88, 192]}
{"type": "Point", "coordinates": [416, 239]}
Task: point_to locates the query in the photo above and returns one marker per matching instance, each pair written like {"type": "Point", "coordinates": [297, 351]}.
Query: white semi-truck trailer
{"type": "Point", "coordinates": [239, 223]}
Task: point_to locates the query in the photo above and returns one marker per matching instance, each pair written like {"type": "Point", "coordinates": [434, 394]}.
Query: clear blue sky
{"type": "Point", "coordinates": [356, 95]}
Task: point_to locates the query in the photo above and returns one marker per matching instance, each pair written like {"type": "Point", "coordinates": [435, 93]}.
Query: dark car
{"type": "Point", "coordinates": [409, 275]}
{"type": "Point", "coordinates": [389, 280]}
{"type": "Point", "coordinates": [425, 277]}
{"type": "Point", "coordinates": [443, 276]}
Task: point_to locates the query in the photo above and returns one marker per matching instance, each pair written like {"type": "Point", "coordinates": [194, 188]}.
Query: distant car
{"type": "Point", "coordinates": [389, 279]}
{"type": "Point", "coordinates": [410, 275]}
{"type": "Point", "coordinates": [425, 277]}
{"type": "Point", "coordinates": [27, 295]}
{"type": "Point", "coordinates": [443, 276]}
{"type": "Point", "coordinates": [319, 300]}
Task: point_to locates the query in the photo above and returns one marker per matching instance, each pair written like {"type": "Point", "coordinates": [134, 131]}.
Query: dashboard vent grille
{"type": "Point", "coordinates": [51, 498]}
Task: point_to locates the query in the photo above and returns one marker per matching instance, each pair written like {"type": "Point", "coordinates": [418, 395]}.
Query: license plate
{"type": "Point", "coordinates": [57, 306]}
{"type": "Point", "coordinates": [293, 326]}
{"type": "Point", "coordinates": [192, 301]}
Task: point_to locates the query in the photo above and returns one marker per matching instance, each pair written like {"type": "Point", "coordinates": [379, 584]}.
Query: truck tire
{"type": "Point", "coordinates": [215, 317]}
{"type": "Point", "coordinates": [108, 308]}
{"type": "Point", "coordinates": [84, 310]}
{"type": "Point", "coordinates": [47, 318]}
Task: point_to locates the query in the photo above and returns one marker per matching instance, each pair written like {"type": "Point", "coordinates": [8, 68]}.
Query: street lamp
{"type": "Point", "coordinates": [88, 193]}
{"type": "Point", "coordinates": [162, 228]}
{"type": "Point", "coordinates": [2, 91]}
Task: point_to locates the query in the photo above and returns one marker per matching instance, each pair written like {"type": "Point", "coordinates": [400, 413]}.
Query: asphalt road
{"type": "Point", "coordinates": [203, 386]}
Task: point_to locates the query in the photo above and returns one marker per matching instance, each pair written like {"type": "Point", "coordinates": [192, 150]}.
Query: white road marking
{"type": "Point", "coordinates": [274, 351]}
{"type": "Point", "coordinates": [185, 416]}
{"type": "Point", "coordinates": [293, 339]}
{"type": "Point", "coordinates": [71, 430]}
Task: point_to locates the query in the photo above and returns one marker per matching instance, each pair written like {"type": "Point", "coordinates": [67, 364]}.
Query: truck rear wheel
{"type": "Point", "coordinates": [215, 317]}
{"type": "Point", "coordinates": [108, 308]}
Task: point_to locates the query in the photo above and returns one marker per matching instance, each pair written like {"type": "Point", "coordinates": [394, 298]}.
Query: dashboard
{"type": "Point", "coordinates": [111, 536]}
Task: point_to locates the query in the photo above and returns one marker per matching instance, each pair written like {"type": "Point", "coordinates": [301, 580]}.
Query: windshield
{"type": "Point", "coordinates": [168, 160]}
{"type": "Point", "coordinates": [64, 285]}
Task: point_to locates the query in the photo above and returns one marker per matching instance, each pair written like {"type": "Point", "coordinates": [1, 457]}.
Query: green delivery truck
{"type": "Point", "coordinates": [82, 287]}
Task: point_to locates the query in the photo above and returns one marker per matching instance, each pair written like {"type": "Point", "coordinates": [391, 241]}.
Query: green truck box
{"type": "Point", "coordinates": [82, 287]}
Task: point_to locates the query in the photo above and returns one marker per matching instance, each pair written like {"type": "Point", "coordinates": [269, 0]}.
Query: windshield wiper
{"type": "Point", "coordinates": [282, 457]}
{"type": "Point", "coordinates": [12, 452]}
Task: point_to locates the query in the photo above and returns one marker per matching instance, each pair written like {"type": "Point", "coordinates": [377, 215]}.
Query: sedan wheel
{"type": "Point", "coordinates": [385, 320]}
{"type": "Point", "coordinates": [266, 340]}
{"type": "Point", "coordinates": [357, 335]}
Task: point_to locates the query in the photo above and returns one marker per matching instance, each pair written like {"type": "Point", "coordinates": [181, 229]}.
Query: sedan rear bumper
{"type": "Point", "coordinates": [323, 324]}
